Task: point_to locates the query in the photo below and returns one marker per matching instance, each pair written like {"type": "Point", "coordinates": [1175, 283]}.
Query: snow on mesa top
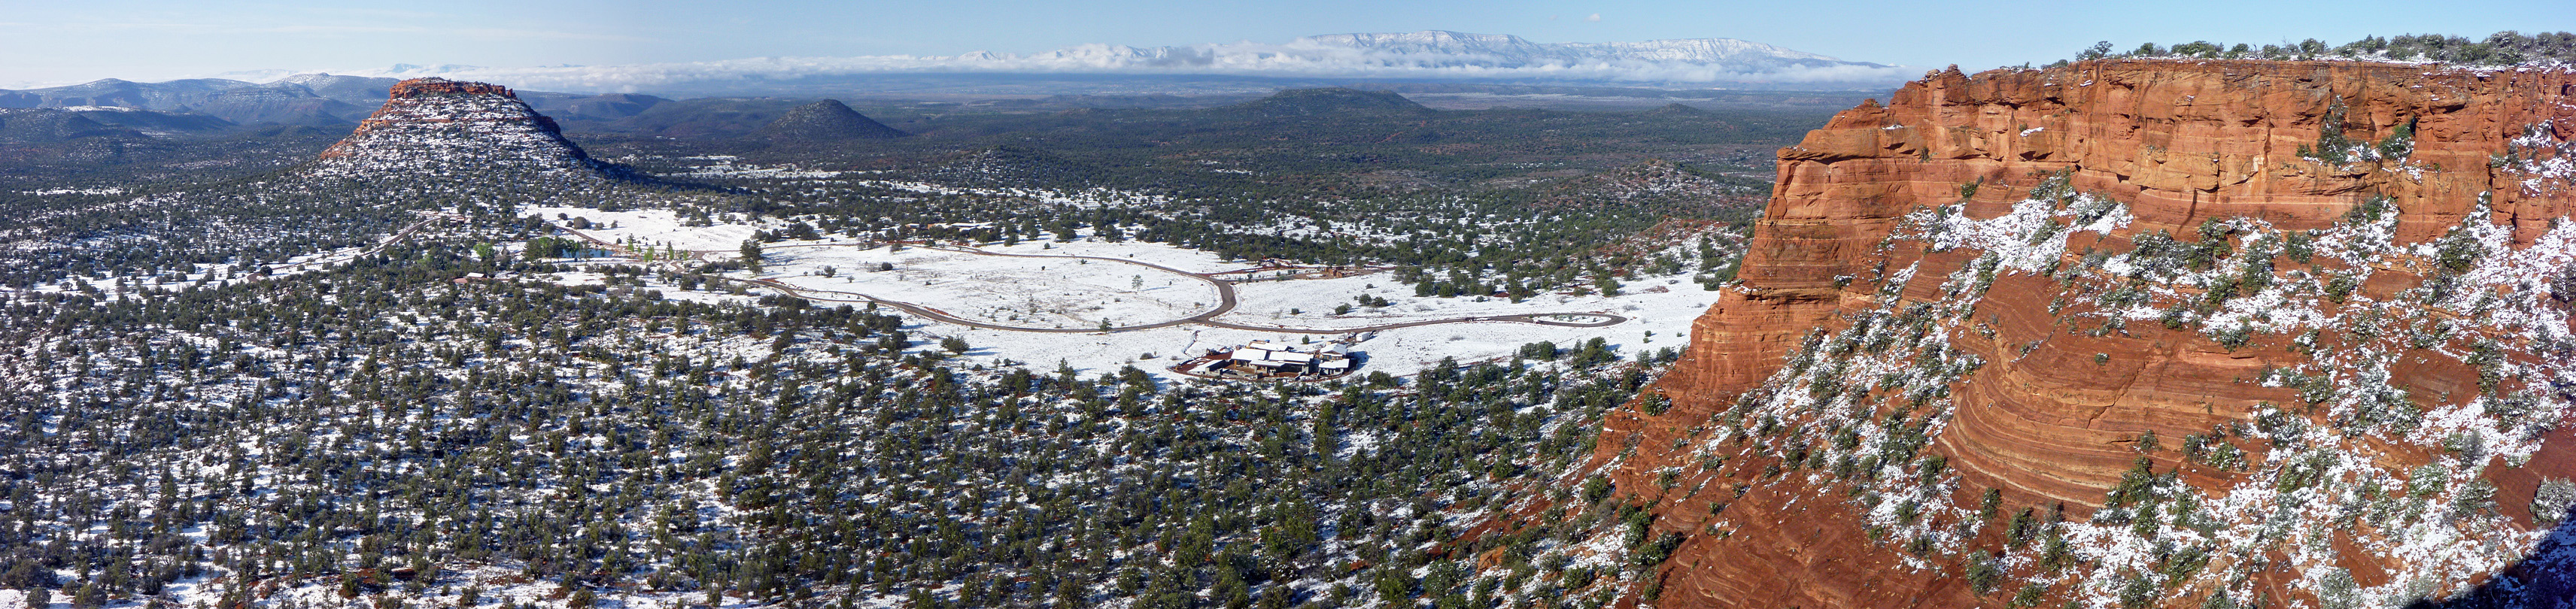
{"type": "Point", "coordinates": [437, 126]}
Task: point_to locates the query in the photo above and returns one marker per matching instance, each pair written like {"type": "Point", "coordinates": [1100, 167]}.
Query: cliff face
{"type": "Point", "coordinates": [2135, 331]}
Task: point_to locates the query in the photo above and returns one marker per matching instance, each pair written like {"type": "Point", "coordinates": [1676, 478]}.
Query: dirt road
{"type": "Point", "coordinates": [1226, 300]}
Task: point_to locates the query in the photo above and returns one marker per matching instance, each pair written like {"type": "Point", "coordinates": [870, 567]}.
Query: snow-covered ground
{"type": "Point", "coordinates": [211, 275]}
{"type": "Point", "coordinates": [1185, 259]}
{"type": "Point", "coordinates": [492, 584]}
{"type": "Point", "coordinates": [1066, 292]}
{"type": "Point", "coordinates": [1002, 290]}
{"type": "Point", "coordinates": [655, 227]}
{"type": "Point", "coordinates": [1401, 351]}
{"type": "Point", "coordinates": [991, 287]}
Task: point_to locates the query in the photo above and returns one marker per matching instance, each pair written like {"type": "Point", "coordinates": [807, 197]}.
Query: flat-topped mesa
{"type": "Point", "coordinates": [436, 126]}
{"type": "Point", "coordinates": [2009, 282]}
{"type": "Point", "coordinates": [2179, 142]}
{"type": "Point", "coordinates": [425, 87]}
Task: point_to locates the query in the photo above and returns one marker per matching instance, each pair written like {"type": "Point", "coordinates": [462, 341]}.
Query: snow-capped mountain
{"type": "Point", "coordinates": [1512, 51]}
{"type": "Point", "coordinates": [1417, 55]}
{"type": "Point", "coordinates": [1311, 61]}
{"type": "Point", "coordinates": [1440, 53]}
{"type": "Point", "coordinates": [297, 100]}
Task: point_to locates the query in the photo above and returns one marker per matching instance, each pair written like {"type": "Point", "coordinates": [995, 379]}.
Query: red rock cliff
{"type": "Point", "coordinates": [424, 87]}
{"type": "Point", "coordinates": [2041, 377]}
{"type": "Point", "coordinates": [435, 126]}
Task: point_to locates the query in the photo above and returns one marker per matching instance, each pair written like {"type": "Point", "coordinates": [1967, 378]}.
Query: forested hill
{"type": "Point", "coordinates": [394, 378]}
{"type": "Point", "coordinates": [381, 432]}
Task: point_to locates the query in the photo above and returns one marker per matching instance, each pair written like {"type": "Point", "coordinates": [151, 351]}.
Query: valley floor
{"type": "Point", "coordinates": [1041, 302]}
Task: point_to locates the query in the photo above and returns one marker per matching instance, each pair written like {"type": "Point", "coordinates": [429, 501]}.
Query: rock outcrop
{"type": "Point", "coordinates": [2274, 332]}
{"type": "Point", "coordinates": [440, 127]}
{"type": "Point", "coordinates": [826, 121]}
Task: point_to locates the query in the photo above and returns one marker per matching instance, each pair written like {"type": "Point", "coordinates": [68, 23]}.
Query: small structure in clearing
{"type": "Point", "coordinates": [1263, 360]}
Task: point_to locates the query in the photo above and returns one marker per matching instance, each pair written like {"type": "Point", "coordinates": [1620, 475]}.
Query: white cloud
{"type": "Point", "coordinates": [1409, 55]}
{"type": "Point", "coordinates": [1596, 17]}
{"type": "Point", "coordinates": [335, 30]}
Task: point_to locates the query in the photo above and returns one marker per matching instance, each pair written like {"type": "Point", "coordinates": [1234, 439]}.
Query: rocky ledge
{"type": "Point", "coordinates": [2131, 333]}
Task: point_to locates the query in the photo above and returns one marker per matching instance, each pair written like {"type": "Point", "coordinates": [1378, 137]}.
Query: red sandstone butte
{"type": "Point", "coordinates": [2178, 141]}
{"type": "Point", "coordinates": [429, 101]}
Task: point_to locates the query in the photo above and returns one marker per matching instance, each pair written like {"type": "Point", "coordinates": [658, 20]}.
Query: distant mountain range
{"type": "Point", "coordinates": [214, 105]}
{"type": "Point", "coordinates": [1215, 68]}
{"type": "Point", "coordinates": [1439, 54]}
{"type": "Point", "coordinates": [1475, 68]}
{"type": "Point", "coordinates": [1435, 55]}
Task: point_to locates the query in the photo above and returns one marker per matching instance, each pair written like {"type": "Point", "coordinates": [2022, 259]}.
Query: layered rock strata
{"type": "Point", "coordinates": [439, 127]}
{"type": "Point", "coordinates": [2134, 332]}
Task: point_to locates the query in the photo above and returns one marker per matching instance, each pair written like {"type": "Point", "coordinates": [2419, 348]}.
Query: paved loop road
{"type": "Point", "coordinates": [1226, 300]}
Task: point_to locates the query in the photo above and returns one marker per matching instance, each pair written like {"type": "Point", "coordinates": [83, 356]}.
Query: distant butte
{"type": "Point", "coordinates": [827, 120]}
{"type": "Point", "coordinates": [445, 127]}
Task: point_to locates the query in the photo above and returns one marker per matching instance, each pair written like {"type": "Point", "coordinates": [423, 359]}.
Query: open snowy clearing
{"type": "Point", "coordinates": [1041, 284]}
{"type": "Point", "coordinates": [1402, 351]}
{"type": "Point", "coordinates": [656, 227]}
{"type": "Point", "coordinates": [1308, 303]}
{"type": "Point", "coordinates": [1184, 259]}
{"type": "Point", "coordinates": [1659, 308]}
{"type": "Point", "coordinates": [1005, 290]}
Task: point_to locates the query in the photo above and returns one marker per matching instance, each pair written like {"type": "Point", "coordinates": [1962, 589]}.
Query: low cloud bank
{"type": "Point", "coordinates": [1443, 55]}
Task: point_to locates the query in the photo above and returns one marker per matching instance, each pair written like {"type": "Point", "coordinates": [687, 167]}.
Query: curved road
{"type": "Point", "coordinates": [1226, 300]}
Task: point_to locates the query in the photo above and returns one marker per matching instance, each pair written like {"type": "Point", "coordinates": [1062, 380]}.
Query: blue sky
{"type": "Point", "coordinates": [64, 42]}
